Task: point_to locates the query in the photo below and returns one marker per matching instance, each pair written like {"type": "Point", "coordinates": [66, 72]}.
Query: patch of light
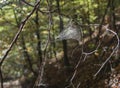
{"type": "Point", "coordinates": [2, 1]}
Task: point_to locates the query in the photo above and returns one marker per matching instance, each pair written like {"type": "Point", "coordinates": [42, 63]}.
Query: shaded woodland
{"type": "Point", "coordinates": [59, 44]}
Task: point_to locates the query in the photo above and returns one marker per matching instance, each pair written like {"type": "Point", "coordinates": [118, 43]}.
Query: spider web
{"type": "Point", "coordinates": [70, 32]}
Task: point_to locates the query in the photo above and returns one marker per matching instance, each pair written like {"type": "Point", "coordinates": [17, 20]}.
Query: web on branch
{"type": "Point", "coordinates": [71, 32]}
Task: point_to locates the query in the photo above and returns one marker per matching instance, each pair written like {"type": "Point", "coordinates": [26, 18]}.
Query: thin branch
{"type": "Point", "coordinates": [18, 33]}
{"type": "Point", "coordinates": [106, 10]}
{"type": "Point", "coordinates": [64, 42]}
{"type": "Point", "coordinates": [43, 12]}
{"type": "Point", "coordinates": [25, 52]}
{"type": "Point", "coordinates": [15, 38]}
{"type": "Point", "coordinates": [1, 78]}
{"type": "Point", "coordinates": [39, 51]}
{"type": "Point", "coordinates": [78, 86]}
{"type": "Point", "coordinates": [89, 53]}
{"type": "Point", "coordinates": [42, 68]}
{"type": "Point", "coordinates": [114, 50]}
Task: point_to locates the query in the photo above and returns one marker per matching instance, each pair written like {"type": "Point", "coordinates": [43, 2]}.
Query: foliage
{"type": "Point", "coordinates": [13, 12]}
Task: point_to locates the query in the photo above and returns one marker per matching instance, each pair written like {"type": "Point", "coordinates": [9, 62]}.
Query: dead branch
{"type": "Point", "coordinates": [114, 50]}
{"type": "Point", "coordinates": [16, 37]}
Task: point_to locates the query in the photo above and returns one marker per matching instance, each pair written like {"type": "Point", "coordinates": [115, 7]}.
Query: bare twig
{"type": "Point", "coordinates": [74, 50]}
{"type": "Point", "coordinates": [89, 53]}
{"type": "Point", "coordinates": [25, 52]}
{"type": "Point", "coordinates": [102, 21]}
{"type": "Point", "coordinates": [81, 43]}
{"type": "Point", "coordinates": [43, 12]}
{"type": "Point", "coordinates": [42, 68]}
{"type": "Point", "coordinates": [78, 85]}
{"type": "Point", "coordinates": [17, 35]}
{"type": "Point", "coordinates": [114, 50]}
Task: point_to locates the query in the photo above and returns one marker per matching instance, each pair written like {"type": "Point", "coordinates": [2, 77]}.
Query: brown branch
{"type": "Point", "coordinates": [25, 52]}
{"type": "Point", "coordinates": [94, 35]}
{"type": "Point", "coordinates": [100, 27]}
{"type": "Point", "coordinates": [39, 51]}
{"type": "Point", "coordinates": [39, 81]}
{"type": "Point", "coordinates": [114, 50]}
{"type": "Point", "coordinates": [18, 33]}
{"type": "Point", "coordinates": [43, 12]}
{"type": "Point", "coordinates": [64, 42]}
{"type": "Point", "coordinates": [1, 78]}
{"type": "Point", "coordinates": [27, 56]}
{"type": "Point", "coordinates": [15, 39]}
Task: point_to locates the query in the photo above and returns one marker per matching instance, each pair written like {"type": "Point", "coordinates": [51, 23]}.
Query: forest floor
{"type": "Point", "coordinates": [57, 75]}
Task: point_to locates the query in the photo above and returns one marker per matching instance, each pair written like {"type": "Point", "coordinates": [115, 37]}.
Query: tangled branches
{"type": "Point", "coordinates": [75, 34]}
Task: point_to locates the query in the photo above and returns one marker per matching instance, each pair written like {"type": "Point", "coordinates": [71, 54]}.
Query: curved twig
{"type": "Point", "coordinates": [117, 46]}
